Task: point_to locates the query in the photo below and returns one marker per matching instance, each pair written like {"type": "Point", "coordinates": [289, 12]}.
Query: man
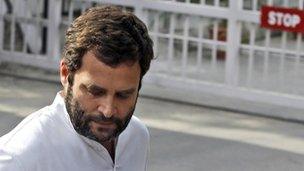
{"type": "Point", "coordinates": [90, 125]}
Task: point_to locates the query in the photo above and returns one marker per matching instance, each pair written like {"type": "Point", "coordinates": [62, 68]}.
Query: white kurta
{"type": "Point", "coordinates": [47, 141]}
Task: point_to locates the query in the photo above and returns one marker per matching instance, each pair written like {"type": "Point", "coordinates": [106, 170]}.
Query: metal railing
{"type": "Point", "coordinates": [202, 46]}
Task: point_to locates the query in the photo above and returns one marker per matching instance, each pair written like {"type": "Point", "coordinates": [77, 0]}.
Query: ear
{"type": "Point", "coordinates": [64, 72]}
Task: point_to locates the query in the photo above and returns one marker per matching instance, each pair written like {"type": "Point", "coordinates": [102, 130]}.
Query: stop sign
{"type": "Point", "coordinates": [286, 19]}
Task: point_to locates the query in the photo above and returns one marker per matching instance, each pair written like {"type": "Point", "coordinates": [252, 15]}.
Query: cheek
{"type": "Point", "coordinates": [85, 102]}
{"type": "Point", "coordinates": [126, 107]}
{"type": "Point", "coordinates": [89, 105]}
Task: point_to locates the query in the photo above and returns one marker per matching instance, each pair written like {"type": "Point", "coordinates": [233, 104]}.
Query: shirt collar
{"type": "Point", "coordinates": [59, 105]}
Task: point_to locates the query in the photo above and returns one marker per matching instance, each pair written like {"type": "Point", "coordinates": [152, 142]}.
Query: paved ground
{"type": "Point", "coordinates": [183, 137]}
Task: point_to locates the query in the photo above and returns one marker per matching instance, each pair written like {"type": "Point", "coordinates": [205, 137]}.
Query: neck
{"type": "Point", "coordinates": [110, 146]}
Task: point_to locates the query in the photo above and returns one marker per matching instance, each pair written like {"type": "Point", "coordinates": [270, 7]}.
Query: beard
{"type": "Point", "coordinates": [82, 121]}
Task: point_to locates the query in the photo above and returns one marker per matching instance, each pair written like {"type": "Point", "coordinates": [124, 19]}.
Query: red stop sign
{"type": "Point", "coordinates": [286, 19]}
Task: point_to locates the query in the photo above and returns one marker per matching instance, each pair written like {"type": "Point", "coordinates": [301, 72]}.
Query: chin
{"type": "Point", "coordinates": [104, 136]}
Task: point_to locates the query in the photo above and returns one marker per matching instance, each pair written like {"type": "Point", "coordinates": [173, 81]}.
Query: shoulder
{"type": "Point", "coordinates": [134, 143]}
{"type": "Point", "coordinates": [29, 136]}
{"type": "Point", "coordinates": [28, 127]}
{"type": "Point", "coordinates": [8, 162]}
{"type": "Point", "coordinates": [20, 141]}
{"type": "Point", "coordinates": [136, 126]}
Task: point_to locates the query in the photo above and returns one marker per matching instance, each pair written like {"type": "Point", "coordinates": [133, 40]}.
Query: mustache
{"type": "Point", "coordinates": [103, 118]}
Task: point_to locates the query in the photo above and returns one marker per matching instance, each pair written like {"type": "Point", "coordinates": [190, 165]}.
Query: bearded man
{"type": "Point", "coordinates": [90, 125]}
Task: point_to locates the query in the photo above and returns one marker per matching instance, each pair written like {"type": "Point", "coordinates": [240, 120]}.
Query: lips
{"type": "Point", "coordinates": [103, 123]}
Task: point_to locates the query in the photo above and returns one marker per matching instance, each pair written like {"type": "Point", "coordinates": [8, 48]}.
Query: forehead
{"type": "Point", "coordinates": [122, 76]}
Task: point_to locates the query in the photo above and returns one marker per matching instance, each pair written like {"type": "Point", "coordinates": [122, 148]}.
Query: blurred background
{"type": "Point", "coordinates": [222, 94]}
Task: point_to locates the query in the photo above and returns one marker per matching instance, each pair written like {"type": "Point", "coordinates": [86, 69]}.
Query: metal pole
{"type": "Point", "coordinates": [53, 32]}
{"type": "Point", "coordinates": [232, 67]}
{"type": "Point", "coordinates": [2, 12]}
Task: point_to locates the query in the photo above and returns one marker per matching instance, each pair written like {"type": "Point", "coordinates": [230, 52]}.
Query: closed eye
{"type": "Point", "coordinates": [95, 91]}
{"type": "Point", "coordinates": [123, 95]}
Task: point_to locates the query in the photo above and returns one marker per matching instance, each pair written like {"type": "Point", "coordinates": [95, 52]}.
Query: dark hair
{"type": "Point", "coordinates": [114, 36]}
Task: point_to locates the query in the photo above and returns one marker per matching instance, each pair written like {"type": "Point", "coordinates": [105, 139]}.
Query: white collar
{"type": "Point", "coordinates": [59, 104]}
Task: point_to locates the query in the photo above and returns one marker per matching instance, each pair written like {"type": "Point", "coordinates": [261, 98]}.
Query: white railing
{"type": "Point", "coordinates": [27, 35]}
{"type": "Point", "coordinates": [211, 47]}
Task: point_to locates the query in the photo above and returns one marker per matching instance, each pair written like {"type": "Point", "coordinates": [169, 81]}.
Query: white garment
{"type": "Point", "coordinates": [47, 141]}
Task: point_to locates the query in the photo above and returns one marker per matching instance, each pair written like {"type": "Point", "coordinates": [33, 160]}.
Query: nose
{"type": "Point", "coordinates": [107, 107]}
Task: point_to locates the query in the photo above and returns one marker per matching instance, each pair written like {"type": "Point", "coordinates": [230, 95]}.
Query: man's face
{"type": "Point", "coordinates": [102, 99]}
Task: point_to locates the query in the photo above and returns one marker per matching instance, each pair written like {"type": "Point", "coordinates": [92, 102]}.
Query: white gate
{"type": "Point", "coordinates": [208, 51]}
{"type": "Point", "coordinates": [29, 32]}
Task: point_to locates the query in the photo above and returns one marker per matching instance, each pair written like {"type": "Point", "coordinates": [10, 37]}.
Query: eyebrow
{"type": "Point", "coordinates": [95, 88]}
{"type": "Point", "coordinates": [127, 91]}
{"type": "Point", "coordinates": [101, 89]}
